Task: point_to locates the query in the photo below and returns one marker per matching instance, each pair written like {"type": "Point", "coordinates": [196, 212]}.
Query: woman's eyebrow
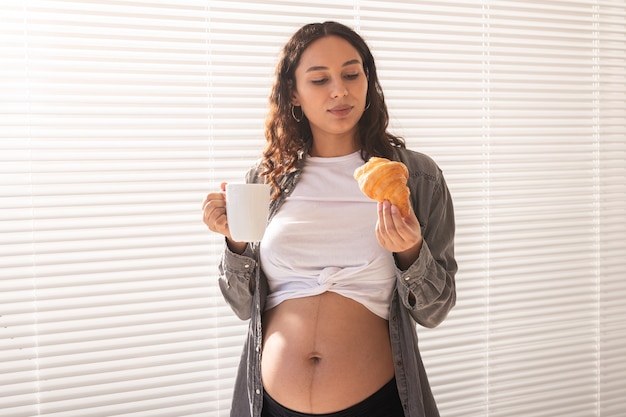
{"type": "Point", "coordinates": [321, 68]}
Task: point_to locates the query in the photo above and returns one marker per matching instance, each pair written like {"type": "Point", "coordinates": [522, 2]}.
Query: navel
{"type": "Point", "coordinates": [315, 358]}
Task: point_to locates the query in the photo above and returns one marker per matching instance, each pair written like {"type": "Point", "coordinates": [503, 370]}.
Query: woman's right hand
{"type": "Point", "coordinates": [214, 216]}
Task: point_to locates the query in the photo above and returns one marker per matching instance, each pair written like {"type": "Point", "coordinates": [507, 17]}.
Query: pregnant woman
{"type": "Point", "coordinates": [336, 286]}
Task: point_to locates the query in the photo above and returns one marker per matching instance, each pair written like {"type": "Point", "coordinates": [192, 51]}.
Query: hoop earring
{"type": "Point", "coordinates": [367, 105]}
{"type": "Point", "coordinates": [293, 114]}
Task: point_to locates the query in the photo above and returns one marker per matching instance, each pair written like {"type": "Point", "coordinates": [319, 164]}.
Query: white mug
{"type": "Point", "coordinates": [247, 208]}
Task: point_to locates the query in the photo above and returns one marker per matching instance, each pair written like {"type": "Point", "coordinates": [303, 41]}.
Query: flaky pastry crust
{"type": "Point", "coordinates": [381, 179]}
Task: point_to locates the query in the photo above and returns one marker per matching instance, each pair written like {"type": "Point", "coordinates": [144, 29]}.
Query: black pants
{"type": "Point", "coordinates": [383, 403]}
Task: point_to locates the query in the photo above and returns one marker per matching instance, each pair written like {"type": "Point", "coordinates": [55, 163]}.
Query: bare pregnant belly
{"type": "Point", "coordinates": [324, 353]}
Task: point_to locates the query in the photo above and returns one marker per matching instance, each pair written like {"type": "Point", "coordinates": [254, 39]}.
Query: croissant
{"type": "Point", "coordinates": [381, 179]}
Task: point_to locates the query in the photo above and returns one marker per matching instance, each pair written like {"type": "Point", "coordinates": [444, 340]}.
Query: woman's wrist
{"type": "Point", "coordinates": [406, 258]}
{"type": "Point", "coordinates": [236, 247]}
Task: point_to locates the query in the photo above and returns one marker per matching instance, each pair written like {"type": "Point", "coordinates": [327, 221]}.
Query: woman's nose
{"type": "Point", "coordinates": [339, 90]}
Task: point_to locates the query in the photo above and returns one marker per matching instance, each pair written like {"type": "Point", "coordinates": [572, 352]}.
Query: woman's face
{"type": "Point", "coordinates": [331, 87]}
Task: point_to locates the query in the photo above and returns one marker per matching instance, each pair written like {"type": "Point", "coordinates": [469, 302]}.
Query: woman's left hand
{"type": "Point", "coordinates": [401, 235]}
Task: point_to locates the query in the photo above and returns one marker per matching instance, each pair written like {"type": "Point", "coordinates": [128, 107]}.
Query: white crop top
{"type": "Point", "coordinates": [323, 239]}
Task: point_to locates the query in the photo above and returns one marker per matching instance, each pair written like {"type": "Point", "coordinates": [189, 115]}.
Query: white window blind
{"type": "Point", "coordinates": [116, 118]}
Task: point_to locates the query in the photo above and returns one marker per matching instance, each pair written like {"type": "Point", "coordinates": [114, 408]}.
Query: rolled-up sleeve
{"type": "Point", "coordinates": [237, 274]}
{"type": "Point", "coordinates": [427, 288]}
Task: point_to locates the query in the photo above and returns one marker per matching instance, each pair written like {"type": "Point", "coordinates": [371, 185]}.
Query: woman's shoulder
{"type": "Point", "coordinates": [419, 164]}
{"type": "Point", "coordinates": [254, 172]}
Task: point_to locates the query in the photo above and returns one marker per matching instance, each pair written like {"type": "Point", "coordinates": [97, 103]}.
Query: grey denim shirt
{"type": "Point", "coordinates": [424, 293]}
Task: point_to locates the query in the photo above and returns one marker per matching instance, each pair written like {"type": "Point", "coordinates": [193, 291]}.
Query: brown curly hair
{"type": "Point", "coordinates": [286, 137]}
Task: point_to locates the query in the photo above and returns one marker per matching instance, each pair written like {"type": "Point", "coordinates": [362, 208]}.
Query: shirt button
{"type": "Point", "coordinates": [248, 266]}
{"type": "Point", "coordinates": [407, 278]}
{"type": "Point", "coordinates": [258, 391]}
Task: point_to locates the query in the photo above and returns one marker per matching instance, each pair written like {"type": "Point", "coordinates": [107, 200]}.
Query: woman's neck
{"type": "Point", "coordinates": [332, 148]}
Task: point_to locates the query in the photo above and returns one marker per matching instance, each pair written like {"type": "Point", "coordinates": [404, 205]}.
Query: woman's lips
{"type": "Point", "coordinates": [340, 110]}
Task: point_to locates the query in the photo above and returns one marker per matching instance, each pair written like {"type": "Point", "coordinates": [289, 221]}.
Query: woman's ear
{"type": "Point", "coordinates": [295, 98]}
{"type": "Point", "coordinates": [293, 94]}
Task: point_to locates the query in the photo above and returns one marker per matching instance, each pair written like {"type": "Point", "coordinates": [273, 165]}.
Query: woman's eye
{"type": "Point", "coordinates": [322, 81]}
